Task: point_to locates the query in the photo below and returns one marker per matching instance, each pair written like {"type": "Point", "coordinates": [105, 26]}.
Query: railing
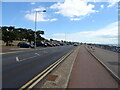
{"type": "Point", "coordinates": [107, 47]}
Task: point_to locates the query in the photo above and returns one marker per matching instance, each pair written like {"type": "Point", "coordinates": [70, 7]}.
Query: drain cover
{"type": "Point", "coordinates": [51, 78]}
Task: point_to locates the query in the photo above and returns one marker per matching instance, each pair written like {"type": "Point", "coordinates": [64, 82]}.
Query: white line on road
{"type": "Point", "coordinates": [37, 54]}
{"type": "Point", "coordinates": [17, 59]}
{"type": "Point", "coordinates": [28, 58]}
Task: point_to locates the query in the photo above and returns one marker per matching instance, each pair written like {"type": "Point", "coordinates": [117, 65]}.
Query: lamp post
{"type": "Point", "coordinates": [65, 36]}
{"type": "Point", "coordinates": [36, 23]}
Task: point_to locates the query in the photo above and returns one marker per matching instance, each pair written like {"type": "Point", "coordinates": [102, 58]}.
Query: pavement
{"type": "Point", "coordinates": [79, 70]}
{"type": "Point", "coordinates": [109, 58]}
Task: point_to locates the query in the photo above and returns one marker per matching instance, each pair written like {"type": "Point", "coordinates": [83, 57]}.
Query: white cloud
{"type": "Point", "coordinates": [102, 6]}
{"type": "Point", "coordinates": [75, 19]}
{"type": "Point", "coordinates": [55, 19]}
{"type": "Point", "coordinates": [32, 3]}
{"type": "Point", "coordinates": [112, 3]}
{"type": "Point", "coordinates": [107, 35]}
{"type": "Point", "coordinates": [78, 8]}
{"type": "Point", "coordinates": [41, 16]}
{"type": "Point", "coordinates": [39, 9]}
{"type": "Point", "coordinates": [74, 8]}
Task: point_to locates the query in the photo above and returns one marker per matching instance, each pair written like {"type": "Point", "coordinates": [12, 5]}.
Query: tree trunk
{"type": "Point", "coordinates": [7, 43]}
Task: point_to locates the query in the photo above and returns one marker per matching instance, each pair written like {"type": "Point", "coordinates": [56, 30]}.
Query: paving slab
{"type": "Point", "coordinates": [109, 58]}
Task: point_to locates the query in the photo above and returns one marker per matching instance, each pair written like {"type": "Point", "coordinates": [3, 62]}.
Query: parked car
{"type": "Point", "coordinates": [40, 43]}
{"type": "Point", "coordinates": [118, 49]}
{"type": "Point", "coordinates": [44, 44]}
{"type": "Point", "coordinates": [49, 44]}
{"type": "Point", "coordinates": [25, 45]}
{"type": "Point", "coordinates": [57, 44]}
{"type": "Point", "coordinates": [61, 44]}
{"type": "Point", "coordinates": [75, 44]}
{"type": "Point", "coordinates": [53, 44]}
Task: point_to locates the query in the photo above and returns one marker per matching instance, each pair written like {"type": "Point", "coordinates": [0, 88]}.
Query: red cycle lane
{"type": "Point", "coordinates": [87, 72]}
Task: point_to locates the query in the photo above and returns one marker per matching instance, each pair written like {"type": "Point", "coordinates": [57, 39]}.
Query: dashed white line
{"type": "Point", "coordinates": [17, 59]}
{"type": "Point", "coordinates": [28, 58]}
{"type": "Point", "coordinates": [37, 54]}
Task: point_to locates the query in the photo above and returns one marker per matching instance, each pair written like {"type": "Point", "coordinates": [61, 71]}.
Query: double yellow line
{"type": "Point", "coordinates": [11, 52]}
{"type": "Point", "coordinates": [40, 76]}
{"type": "Point", "coordinates": [15, 52]}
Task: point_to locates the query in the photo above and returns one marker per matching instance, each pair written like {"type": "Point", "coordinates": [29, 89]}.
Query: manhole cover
{"type": "Point", "coordinates": [51, 78]}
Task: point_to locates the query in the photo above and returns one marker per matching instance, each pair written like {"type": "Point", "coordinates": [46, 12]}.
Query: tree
{"type": "Point", "coordinates": [39, 33]}
{"type": "Point", "coordinates": [17, 32]}
{"type": "Point", "coordinates": [30, 35]}
{"type": "Point", "coordinates": [8, 35]}
{"type": "Point", "coordinates": [23, 34]}
{"type": "Point", "coordinates": [51, 40]}
{"type": "Point", "coordinates": [11, 33]}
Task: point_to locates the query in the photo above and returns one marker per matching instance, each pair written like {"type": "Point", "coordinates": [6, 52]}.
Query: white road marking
{"type": "Point", "coordinates": [17, 59]}
{"type": "Point", "coordinates": [37, 54]}
{"type": "Point", "coordinates": [26, 58]}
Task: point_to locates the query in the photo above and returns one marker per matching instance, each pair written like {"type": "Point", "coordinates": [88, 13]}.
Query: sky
{"type": "Point", "coordinates": [71, 20]}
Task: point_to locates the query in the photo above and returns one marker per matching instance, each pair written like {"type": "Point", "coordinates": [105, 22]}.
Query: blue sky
{"type": "Point", "coordinates": [78, 21]}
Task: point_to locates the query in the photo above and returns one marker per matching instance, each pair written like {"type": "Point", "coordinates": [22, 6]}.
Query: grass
{"type": "Point", "coordinates": [14, 42]}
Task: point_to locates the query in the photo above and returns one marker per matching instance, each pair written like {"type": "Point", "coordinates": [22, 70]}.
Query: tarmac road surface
{"type": "Point", "coordinates": [18, 68]}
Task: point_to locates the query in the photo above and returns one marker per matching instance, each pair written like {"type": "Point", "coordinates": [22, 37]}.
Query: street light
{"type": "Point", "coordinates": [36, 23]}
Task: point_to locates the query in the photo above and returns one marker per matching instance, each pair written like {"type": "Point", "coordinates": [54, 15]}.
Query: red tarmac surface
{"type": "Point", "coordinates": [87, 72]}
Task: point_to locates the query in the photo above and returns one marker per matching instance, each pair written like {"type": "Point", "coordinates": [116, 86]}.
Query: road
{"type": "Point", "coordinates": [18, 68]}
